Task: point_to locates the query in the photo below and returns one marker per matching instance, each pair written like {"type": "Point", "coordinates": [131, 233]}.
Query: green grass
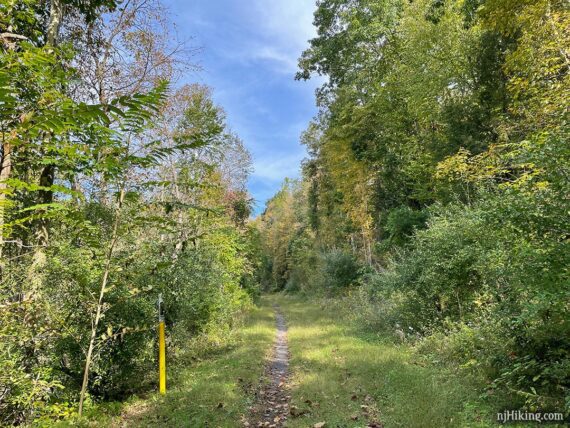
{"type": "Point", "coordinates": [337, 370]}
{"type": "Point", "coordinates": [338, 373]}
{"type": "Point", "coordinates": [213, 391]}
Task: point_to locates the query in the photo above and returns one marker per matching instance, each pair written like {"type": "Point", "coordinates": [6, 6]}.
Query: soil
{"type": "Point", "coordinates": [272, 398]}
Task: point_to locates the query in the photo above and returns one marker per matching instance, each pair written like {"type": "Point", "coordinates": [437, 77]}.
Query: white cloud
{"type": "Point", "coordinates": [289, 21]}
{"type": "Point", "coordinates": [275, 168]}
{"type": "Point", "coordinates": [284, 63]}
{"type": "Point", "coordinates": [284, 28]}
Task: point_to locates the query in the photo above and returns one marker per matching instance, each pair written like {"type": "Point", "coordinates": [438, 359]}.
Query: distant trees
{"type": "Point", "coordinates": [439, 159]}
{"type": "Point", "coordinates": [114, 186]}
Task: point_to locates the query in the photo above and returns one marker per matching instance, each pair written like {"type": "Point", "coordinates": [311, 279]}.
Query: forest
{"type": "Point", "coordinates": [436, 192]}
{"type": "Point", "coordinates": [115, 186]}
{"type": "Point", "coordinates": [431, 215]}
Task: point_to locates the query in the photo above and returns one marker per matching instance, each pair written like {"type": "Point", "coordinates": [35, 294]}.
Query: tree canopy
{"type": "Point", "coordinates": [437, 181]}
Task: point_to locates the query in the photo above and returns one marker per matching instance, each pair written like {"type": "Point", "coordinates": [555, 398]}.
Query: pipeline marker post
{"type": "Point", "coordinates": [161, 348]}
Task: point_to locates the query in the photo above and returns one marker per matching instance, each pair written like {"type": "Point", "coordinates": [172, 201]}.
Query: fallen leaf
{"type": "Point", "coordinates": [319, 425]}
{"type": "Point", "coordinates": [295, 412]}
{"type": "Point", "coordinates": [354, 417]}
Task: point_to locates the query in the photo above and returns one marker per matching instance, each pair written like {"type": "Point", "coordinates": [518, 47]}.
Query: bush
{"type": "Point", "coordinates": [402, 222]}
{"type": "Point", "coordinates": [486, 282]}
{"type": "Point", "coordinates": [340, 269]}
{"type": "Point", "coordinates": [45, 331]}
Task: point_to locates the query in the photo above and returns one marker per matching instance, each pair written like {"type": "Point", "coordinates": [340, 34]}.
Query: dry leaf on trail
{"type": "Point", "coordinates": [295, 412]}
{"type": "Point", "coordinates": [319, 425]}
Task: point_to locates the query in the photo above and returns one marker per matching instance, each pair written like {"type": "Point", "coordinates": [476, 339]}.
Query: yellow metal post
{"type": "Point", "coordinates": [161, 349]}
{"type": "Point", "coordinates": [162, 358]}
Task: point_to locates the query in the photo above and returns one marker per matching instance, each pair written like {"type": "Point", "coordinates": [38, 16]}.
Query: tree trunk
{"type": "Point", "coordinates": [55, 19]}
{"type": "Point", "coordinates": [98, 313]}
{"type": "Point", "coordinates": [5, 170]}
{"type": "Point", "coordinates": [47, 179]}
{"type": "Point", "coordinates": [47, 176]}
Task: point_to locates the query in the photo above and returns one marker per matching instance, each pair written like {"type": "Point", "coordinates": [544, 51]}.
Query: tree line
{"type": "Point", "coordinates": [435, 194]}
{"type": "Point", "coordinates": [117, 183]}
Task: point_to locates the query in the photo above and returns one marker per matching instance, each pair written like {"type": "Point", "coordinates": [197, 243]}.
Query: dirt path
{"type": "Point", "coordinates": [272, 407]}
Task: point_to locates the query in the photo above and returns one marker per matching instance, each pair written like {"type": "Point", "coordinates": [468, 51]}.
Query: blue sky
{"type": "Point", "coordinates": [249, 58]}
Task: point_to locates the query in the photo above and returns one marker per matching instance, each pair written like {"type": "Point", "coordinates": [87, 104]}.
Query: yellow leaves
{"type": "Point", "coordinates": [354, 180]}
{"type": "Point", "coordinates": [26, 117]}
{"type": "Point", "coordinates": [456, 165]}
{"type": "Point", "coordinates": [500, 164]}
{"type": "Point", "coordinates": [467, 168]}
{"type": "Point", "coordinates": [537, 65]}
{"type": "Point", "coordinates": [470, 363]}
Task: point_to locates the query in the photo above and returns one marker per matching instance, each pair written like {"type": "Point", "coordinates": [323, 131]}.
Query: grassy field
{"type": "Point", "coordinates": [345, 378]}
{"type": "Point", "coordinates": [340, 376]}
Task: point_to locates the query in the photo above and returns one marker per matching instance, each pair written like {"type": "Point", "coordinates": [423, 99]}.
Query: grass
{"type": "Point", "coordinates": [340, 376]}
{"type": "Point", "coordinates": [345, 378]}
{"type": "Point", "coordinates": [213, 391]}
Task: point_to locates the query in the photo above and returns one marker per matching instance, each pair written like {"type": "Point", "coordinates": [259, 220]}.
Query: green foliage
{"type": "Point", "coordinates": [199, 380]}
{"type": "Point", "coordinates": [439, 160]}
{"type": "Point", "coordinates": [340, 269]}
{"type": "Point", "coordinates": [401, 224]}
{"type": "Point", "coordinates": [120, 200]}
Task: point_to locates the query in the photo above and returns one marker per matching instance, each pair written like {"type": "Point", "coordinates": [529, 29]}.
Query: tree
{"type": "Point", "coordinates": [141, 190]}
{"type": "Point", "coordinates": [438, 160]}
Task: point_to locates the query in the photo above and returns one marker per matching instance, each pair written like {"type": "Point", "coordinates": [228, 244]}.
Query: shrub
{"type": "Point", "coordinates": [340, 269]}
{"type": "Point", "coordinates": [492, 274]}
{"type": "Point", "coordinates": [402, 222]}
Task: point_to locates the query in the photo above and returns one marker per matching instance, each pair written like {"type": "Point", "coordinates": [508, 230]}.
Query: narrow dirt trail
{"type": "Point", "coordinates": [272, 407]}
